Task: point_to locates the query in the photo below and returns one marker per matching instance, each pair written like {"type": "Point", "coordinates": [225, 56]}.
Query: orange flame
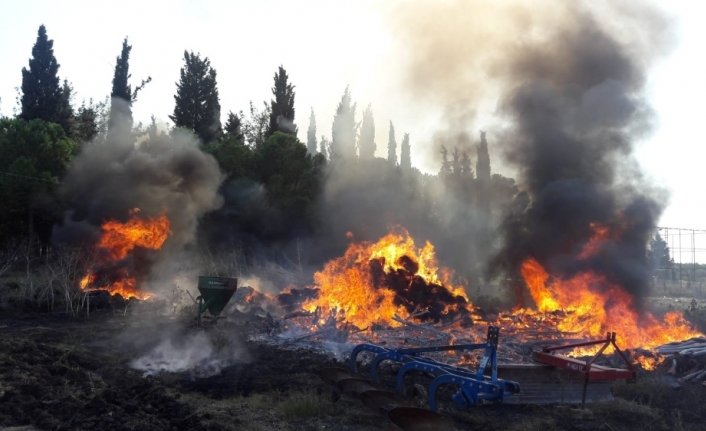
{"type": "Point", "coordinates": [345, 284]}
{"type": "Point", "coordinates": [594, 306]}
{"type": "Point", "coordinates": [118, 241]}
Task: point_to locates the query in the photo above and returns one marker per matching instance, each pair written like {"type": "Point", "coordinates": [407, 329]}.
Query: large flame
{"type": "Point", "coordinates": [593, 306]}
{"type": "Point", "coordinates": [117, 242]}
{"type": "Point", "coordinates": [346, 284]}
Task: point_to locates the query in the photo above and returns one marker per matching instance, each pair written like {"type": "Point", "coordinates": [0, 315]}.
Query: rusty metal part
{"type": "Point", "coordinates": [384, 401]}
{"type": "Point", "coordinates": [332, 375]}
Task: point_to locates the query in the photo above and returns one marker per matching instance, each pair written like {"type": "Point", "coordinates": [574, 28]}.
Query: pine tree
{"type": "Point", "coordinates": [405, 153]}
{"type": "Point", "coordinates": [197, 103]}
{"type": "Point", "coordinates": [282, 113]}
{"type": "Point", "coordinates": [311, 134]}
{"type": "Point", "coordinates": [42, 95]}
{"type": "Point", "coordinates": [233, 126]}
{"type": "Point", "coordinates": [483, 163]}
{"type": "Point", "coordinates": [343, 130]}
{"type": "Point", "coordinates": [366, 143]}
{"type": "Point", "coordinates": [256, 125]}
{"type": "Point", "coordinates": [392, 147]}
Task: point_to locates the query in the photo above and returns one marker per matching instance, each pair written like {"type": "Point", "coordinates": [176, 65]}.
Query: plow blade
{"type": "Point", "coordinates": [544, 384]}
{"type": "Point", "coordinates": [384, 401]}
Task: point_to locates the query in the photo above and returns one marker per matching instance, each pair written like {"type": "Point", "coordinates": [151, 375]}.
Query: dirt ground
{"type": "Point", "coordinates": [60, 373]}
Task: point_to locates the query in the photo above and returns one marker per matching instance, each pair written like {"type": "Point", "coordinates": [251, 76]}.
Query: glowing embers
{"type": "Point", "coordinates": [371, 283]}
{"type": "Point", "coordinates": [118, 241]}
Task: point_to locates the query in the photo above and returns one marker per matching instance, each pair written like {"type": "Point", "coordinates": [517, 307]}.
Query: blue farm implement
{"type": "Point", "coordinates": [472, 386]}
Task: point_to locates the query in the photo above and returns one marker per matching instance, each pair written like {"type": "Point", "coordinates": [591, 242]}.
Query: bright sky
{"type": "Point", "coordinates": [324, 45]}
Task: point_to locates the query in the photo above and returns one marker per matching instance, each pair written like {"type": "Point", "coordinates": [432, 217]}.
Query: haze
{"type": "Point", "coordinates": [326, 45]}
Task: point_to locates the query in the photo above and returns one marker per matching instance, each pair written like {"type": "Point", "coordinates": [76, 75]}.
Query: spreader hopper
{"type": "Point", "coordinates": [215, 294]}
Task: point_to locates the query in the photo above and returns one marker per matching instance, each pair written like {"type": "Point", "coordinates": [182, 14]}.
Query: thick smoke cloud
{"type": "Point", "coordinates": [155, 172]}
{"type": "Point", "coordinates": [567, 80]}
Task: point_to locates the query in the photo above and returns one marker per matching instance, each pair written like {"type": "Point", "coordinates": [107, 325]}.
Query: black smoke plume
{"type": "Point", "coordinates": [155, 172]}
{"type": "Point", "coordinates": [567, 80]}
{"type": "Point", "coordinates": [577, 110]}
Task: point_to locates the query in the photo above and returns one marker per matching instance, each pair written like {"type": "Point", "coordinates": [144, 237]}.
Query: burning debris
{"type": "Point", "coordinates": [372, 283]}
{"type": "Point", "coordinates": [111, 271]}
{"type": "Point", "coordinates": [389, 292]}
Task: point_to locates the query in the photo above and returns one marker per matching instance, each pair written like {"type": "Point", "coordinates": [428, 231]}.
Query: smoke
{"type": "Point", "coordinates": [157, 173]}
{"type": "Point", "coordinates": [192, 352]}
{"type": "Point", "coordinates": [566, 82]}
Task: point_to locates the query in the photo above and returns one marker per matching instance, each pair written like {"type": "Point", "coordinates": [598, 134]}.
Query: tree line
{"type": "Point", "coordinates": [273, 182]}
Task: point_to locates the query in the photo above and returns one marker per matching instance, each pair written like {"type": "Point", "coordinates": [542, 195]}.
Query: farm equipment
{"type": "Point", "coordinates": [588, 370]}
{"type": "Point", "coordinates": [472, 385]}
{"type": "Point", "coordinates": [551, 379]}
{"type": "Point", "coordinates": [215, 294]}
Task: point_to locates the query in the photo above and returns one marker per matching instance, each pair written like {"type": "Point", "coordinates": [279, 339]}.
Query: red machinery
{"type": "Point", "coordinates": [589, 370]}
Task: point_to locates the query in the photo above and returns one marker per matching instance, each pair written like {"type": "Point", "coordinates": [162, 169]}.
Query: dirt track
{"type": "Point", "coordinates": [74, 373]}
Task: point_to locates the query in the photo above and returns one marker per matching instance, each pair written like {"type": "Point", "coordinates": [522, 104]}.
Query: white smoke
{"type": "Point", "coordinates": [194, 352]}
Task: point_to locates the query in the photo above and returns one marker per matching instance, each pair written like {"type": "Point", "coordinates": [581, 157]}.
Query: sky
{"type": "Point", "coordinates": [325, 46]}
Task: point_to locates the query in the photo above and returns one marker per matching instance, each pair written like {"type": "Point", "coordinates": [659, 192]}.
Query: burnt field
{"type": "Point", "coordinates": [59, 372]}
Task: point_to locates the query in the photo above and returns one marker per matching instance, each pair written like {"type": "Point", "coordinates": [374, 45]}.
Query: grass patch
{"type": "Point", "coordinates": [536, 424]}
{"type": "Point", "coordinates": [305, 405]}
{"type": "Point", "coordinates": [684, 408]}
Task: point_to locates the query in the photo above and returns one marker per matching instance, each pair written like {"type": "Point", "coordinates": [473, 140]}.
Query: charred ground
{"type": "Point", "coordinates": [74, 373]}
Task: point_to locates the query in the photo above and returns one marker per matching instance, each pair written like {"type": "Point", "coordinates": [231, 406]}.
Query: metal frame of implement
{"type": "Point", "coordinates": [591, 371]}
{"type": "Point", "coordinates": [472, 386]}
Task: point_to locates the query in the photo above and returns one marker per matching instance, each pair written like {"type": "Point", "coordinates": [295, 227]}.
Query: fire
{"type": "Point", "coordinates": [119, 239]}
{"type": "Point", "coordinates": [593, 306]}
{"type": "Point", "coordinates": [347, 284]}
{"type": "Point", "coordinates": [373, 282]}
{"type": "Point", "coordinates": [116, 243]}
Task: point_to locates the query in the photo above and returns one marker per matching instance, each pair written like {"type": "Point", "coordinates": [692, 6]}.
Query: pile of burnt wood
{"type": "Point", "coordinates": [686, 359]}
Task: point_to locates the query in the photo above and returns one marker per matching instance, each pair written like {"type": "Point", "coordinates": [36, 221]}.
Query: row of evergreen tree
{"type": "Point", "coordinates": [197, 108]}
{"type": "Point", "coordinates": [254, 151]}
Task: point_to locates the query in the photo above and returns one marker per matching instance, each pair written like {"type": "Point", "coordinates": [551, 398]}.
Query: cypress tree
{"type": "Point", "coordinates": [65, 114]}
{"type": "Point", "coordinates": [466, 169]}
{"type": "Point", "coordinates": [311, 134]}
{"type": "Point", "coordinates": [42, 95]}
{"type": "Point", "coordinates": [366, 143]}
{"type": "Point", "coordinates": [392, 147]}
{"type": "Point", "coordinates": [445, 170]}
{"type": "Point", "coordinates": [197, 104]}
{"type": "Point", "coordinates": [325, 147]}
{"type": "Point", "coordinates": [343, 130]}
{"type": "Point", "coordinates": [282, 112]}
{"type": "Point", "coordinates": [405, 156]}
{"type": "Point", "coordinates": [233, 126]}
{"type": "Point", "coordinates": [483, 163]}
{"type": "Point", "coordinates": [121, 94]}
{"type": "Point", "coordinates": [483, 177]}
